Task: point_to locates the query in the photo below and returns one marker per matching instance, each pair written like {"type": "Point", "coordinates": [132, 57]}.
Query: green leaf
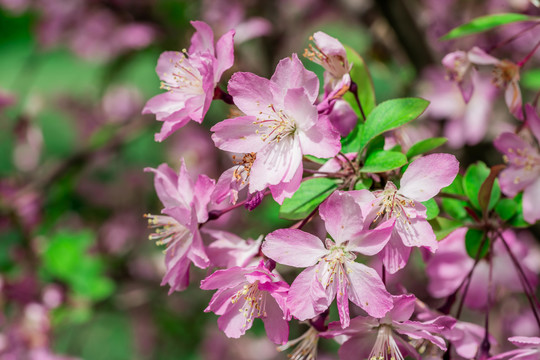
{"type": "Point", "coordinates": [506, 208]}
{"type": "Point", "coordinates": [485, 23]}
{"type": "Point", "coordinates": [67, 259]}
{"type": "Point", "coordinates": [363, 184]}
{"type": "Point", "coordinates": [389, 115]}
{"type": "Point", "coordinates": [475, 175]}
{"type": "Point", "coordinates": [531, 79]}
{"type": "Point", "coordinates": [473, 241]}
{"type": "Point", "coordinates": [423, 146]}
{"type": "Point", "coordinates": [361, 76]}
{"type": "Point", "coordinates": [442, 227]}
{"type": "Point", "coordinates": [517, 220]}
{"type": "Point", "coordinates": [432, 208]}
{"type": "Point", "coordinates": [382, 161]}
{"type": "Point", "coordinates": [454, 207]}
{"type": "Point", "coordinates": [310, 195]}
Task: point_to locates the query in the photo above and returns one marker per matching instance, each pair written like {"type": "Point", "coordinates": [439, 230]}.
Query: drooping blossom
{"type": "Point", "coordinates": [331, 270]}
{"type": "Point", "coordinates": [185, 205]}
{"type": "Point", "coordinates": [246, 293]}
{"type": "Point", "coordinates": [523, 167]}
{"type": "Point", "coordinates": [229, 250]}
{"type": "Point", "coordinates": [281, 125]}
{"type": "Point", "coordinates": [422, 180]}
{"type": "Point", "coordinates": [450, 265]}
{"type": "Point", "coordinates": [528, 349]}
{"type": "Point", "coordinates": [386, 338]}
{"type": "Point", "coordinates": [331, 55]}
{"type": "Point", "coordinates": [505, 75]}
{"type": "Point", "coordinates": [190, 78]}
{"type": "Point", "coordinates": [464, 123]}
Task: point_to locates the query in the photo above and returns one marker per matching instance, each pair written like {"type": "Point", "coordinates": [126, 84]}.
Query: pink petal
{"type": "Point", "coordinates": [358, 347]}
{"type": "Point", "coordinates": [531, 210]}
{"type": "Point", "coordinates": [403, 307]}
{"type": "Point", "coordinates": [203, 191]}
{"type": "Point", "coordinates": [196, 253]}
{"type": "Point", "coordinates": [277, 329]}
{"type": "Point", "coordinates": [203, 39]}
{"type": "Point", "coordinates": [524, 341]}
{"type": "Point", "coordinates": [533, 120]}
{"type": "Point", "coordinates": [371, 242]}
{"type": "Point", "coordinates": [224, 54]}
{"type": "Point", "coordinates": [395, 255]}
{"type": "Point", "coordinates": [252, 94]}
{"type": "Point", "coordinates": [512, 97]}
{"type": "Point", "coordinates": [417, 233]}
{"type": "Point", "coordinates": [418, 330]}
{"type": "Point", "coordinates": [293, 247]}
{"type": "Point", "coordinates": [233, 323]}
{"type": "Point", "coordinates": [237, 135]}
{"type": "Point", "coordinates": [480, 57]}
{"type": "Point", "coordinates": [227, 278]}
{"type": "Point", "coordinates": [177, 276]}
{"type": "Point", "coordinates": [341, 214]}
{"type": "Point", "coordinates": [304, 289]}
{"type": "Point", "coordinates": [300, 108]}
{"type": "Point", "coordinates": [290, 74]}
{"type": "Point", "coordinates": [321, 140]}
{"type": "Point", "coordinates": [285, 190]}
{"type": "Point", "coordinates": [367, 290]}
{"type": "Point", "coordinates": [276, 163]}
{"type": "Point", "coordinates": [426, 176]}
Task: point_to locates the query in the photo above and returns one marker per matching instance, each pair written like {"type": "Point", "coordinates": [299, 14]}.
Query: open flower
{"type": "Point", "coordinates": [422, 180]}
{"type": "Point", "coordinates": [185, 208]}
{"type": "Point", "coordinates": [331, 270]}
{"type": "Point", "coordinates": [281, 125]}
{"type": "Point", "coordinates": [386, 338]}
{"type": "Point", "coordinates": [246, 293]}
{"type": "Point", "coordinates": [190, 78]}
{"type": "Point", "coordinates": [523, 167]}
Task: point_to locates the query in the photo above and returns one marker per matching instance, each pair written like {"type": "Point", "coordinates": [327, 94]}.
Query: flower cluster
{"type": "Point", "coordinates": [375, 203]}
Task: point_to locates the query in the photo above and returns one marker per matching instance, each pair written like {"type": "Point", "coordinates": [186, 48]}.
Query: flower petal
{"type": "Point", "coordinates": [293, 247]}
{"type": "Point", "coordinates": [426, 176]}
{"type": "Point", "coordinates": [290, 74]}
{"type": "Point", "coordinates": [367, 290]}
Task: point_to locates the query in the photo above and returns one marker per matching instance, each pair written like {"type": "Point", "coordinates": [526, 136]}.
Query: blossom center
{"type": "Point", "coordinates": [167, 231]}
{"type": "Point", "coordinates": [385, 347]}
{"type": "Point", "coordinates": [242, 172]}
{"type": "Point", "coordinates": [254, 302]}
{"type": "Point", "coordinates": [393, 205]}
{"type": "Point", "coordinates": [505, 72]}
{"type": "Point", "coordinates": [184, 78]}
{"type": "Point", "coordinates": [276, 126]}
{"type": "Point", "coordinates": [332, 266]}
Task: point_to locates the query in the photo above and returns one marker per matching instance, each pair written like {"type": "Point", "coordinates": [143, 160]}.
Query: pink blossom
{"type": "Point", "coordinates": [234, 179]}
{"type": "Point", "coordinates": [506, 75]}
{"type": "Point", "coordinates": [386, 338]}
{"type": "Point", "coordinates": [185, 208]}
{"type": "Point", "coordinates": [281, 125]}
{"type": "Point", "coordinates": [422, 180]}
{"type": "Point", "coordinates": [228, 250]}
{"type": "Point", "coordinates": [450, 265]}
{"type": "Point", "coordinates": [190, 78]}
{"type": "Point", "coordinates": [331, 269]}
{"type": "Point", "coordinates": [465, 123]}
{"type": "Point", "coordinates": [523, 169]}
{"type": "Point", "coordinates": [330, 54]}
{"type": "Point", "coordinates": [529, 349]}
{"type": "Point", "coordinates": [246, 293]}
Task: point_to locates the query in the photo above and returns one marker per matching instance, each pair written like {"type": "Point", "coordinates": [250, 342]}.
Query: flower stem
{"type": "Point", "coordinates": [354, 90]}
{"type": "Point", "coordinates": [513, 37]}
{"type": "Point", "coordinates": [522, 62]}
